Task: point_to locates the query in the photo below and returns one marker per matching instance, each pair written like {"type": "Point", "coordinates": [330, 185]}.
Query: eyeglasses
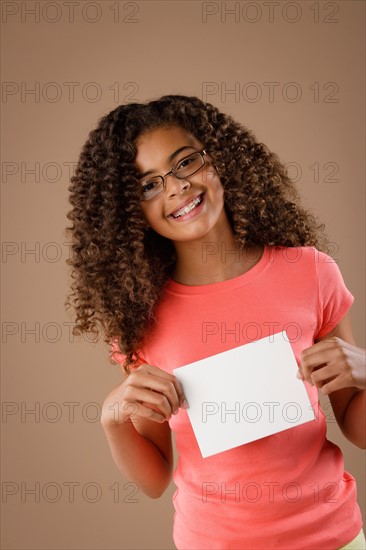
{"type": "Point", "coordinates": [183, 169]}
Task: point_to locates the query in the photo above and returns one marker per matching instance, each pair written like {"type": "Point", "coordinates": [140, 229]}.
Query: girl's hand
{"type": "Point", "coordinates": [333, 364]}
{"type": "Point", "coordinates": [148, 392]}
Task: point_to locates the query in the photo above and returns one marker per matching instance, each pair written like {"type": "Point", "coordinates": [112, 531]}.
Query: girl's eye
{"type": "Point", "coordinates": [149, 185]}
{"type": "Point", "coordinates": [184, 164]}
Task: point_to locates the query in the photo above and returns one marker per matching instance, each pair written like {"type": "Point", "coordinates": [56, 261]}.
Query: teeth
{"type": "Point", "coordinates": [187, 208]}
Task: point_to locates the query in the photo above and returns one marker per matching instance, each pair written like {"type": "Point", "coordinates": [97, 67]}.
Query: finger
{"type": "Point", "coordinates": [134, 393]}
{"type": "Point", "coordinates": [312, 361]}
{"type": "Point", "coordinates": [317, 347]}
{"type": "Point", "coordinates": [319, 376]}
{"type": "Point", "coordinates": [309, 371]}
{"type": "Point", "coordinates": [317, 358]}
{"type": "Point", "coordinates": [150, 413]}
{"type": "Point", "coordinates": [165, 387]}
{"type": "Point", "coordinates": [129, 411]}
{"type": "Point", "coordinates": [156, 371]}
{"type": "Point", "coordinates": [333, 385]}
{"type": "Point", "coordinates": [323, 347]}
{"type": "Point", "coordinates": [182, 398]}
{"type": "Point", "coordinates": [333, 356]}
{"type": "Point", "coordinates": [329, 341]}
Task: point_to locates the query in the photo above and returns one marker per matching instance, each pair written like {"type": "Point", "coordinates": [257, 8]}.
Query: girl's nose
{"type": "Point", "coordinates": [174, 185]}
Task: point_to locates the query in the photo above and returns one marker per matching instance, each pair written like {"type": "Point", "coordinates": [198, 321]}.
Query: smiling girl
{"type": "Point", "coordinates": [181, 221]}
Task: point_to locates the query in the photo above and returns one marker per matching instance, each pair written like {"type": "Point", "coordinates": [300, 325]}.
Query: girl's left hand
{"type": "Point", "coordinates": [333, 364]}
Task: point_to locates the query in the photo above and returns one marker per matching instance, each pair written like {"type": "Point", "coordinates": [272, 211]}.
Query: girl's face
{"type": "Point", "coordinates": [157, 152]}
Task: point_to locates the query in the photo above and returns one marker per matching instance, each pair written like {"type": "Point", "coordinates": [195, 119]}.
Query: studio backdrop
{"type": "Point", "coordinates": [292, 72]}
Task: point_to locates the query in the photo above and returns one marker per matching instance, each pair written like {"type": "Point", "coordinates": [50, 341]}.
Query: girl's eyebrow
{"type": "Point", "coordinates": [170, 158]}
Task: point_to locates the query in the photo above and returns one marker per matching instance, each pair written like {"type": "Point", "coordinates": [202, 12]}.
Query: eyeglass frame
{"type": "Point", "coordinates": [202, 152]}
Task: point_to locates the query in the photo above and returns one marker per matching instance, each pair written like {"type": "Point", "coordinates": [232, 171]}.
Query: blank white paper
{"type": "Point", "coordinates": [244, 394]}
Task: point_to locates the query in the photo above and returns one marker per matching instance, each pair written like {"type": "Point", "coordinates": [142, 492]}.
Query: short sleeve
{"type": "Point", "coordinates": [334, 298]}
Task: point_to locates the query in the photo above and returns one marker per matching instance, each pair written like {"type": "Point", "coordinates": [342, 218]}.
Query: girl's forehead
{"type": "Point", "coordinates": [159, 144]}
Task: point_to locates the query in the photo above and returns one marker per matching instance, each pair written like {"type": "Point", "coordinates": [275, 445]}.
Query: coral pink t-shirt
{"type": "Point", "coordinates": [284, 491]}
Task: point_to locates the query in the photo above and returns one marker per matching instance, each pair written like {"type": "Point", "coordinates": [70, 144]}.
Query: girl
{"type": "Point", "coordinates": [188, 240]}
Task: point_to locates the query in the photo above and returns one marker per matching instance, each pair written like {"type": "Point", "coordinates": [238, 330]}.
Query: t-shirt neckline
{"type": "Point", "coordinates": [240, 280]}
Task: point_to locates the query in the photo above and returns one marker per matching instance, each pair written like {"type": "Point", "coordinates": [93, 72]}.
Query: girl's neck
{"type": "Point", "coordinates": [213, 258]}
{"type": "Point", "coordinates": [217, 271]}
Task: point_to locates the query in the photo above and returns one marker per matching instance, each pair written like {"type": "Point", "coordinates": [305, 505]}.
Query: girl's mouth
{"type": "Point", "coordinates": [190, 210]}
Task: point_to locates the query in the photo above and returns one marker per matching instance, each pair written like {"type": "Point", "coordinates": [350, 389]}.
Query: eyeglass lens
{"type": "Point", "coordinates": [183, 169]}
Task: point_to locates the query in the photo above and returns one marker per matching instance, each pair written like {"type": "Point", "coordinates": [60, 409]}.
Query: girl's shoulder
{"type": "Point", "coordinates": [294, 254]}
{"type": "Point", "coordinates": [308, 260]}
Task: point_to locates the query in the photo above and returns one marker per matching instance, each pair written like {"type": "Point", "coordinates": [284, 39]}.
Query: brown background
{"type": "Point", "coordinates": [314, 117]}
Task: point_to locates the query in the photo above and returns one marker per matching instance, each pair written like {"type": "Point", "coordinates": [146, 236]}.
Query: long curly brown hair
{"type": "Point", "coordinates": [119, 264]}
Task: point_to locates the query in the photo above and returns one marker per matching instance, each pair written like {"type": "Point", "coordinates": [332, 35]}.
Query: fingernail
{"type": "Point", "coordinates": [176, 411]}
{"type": "Point", "coordinates": [299, 375]}
{"type": "Point", "coordinates": [185, 404]}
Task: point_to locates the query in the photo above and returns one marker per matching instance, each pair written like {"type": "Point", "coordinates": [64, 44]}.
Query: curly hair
{"type": "Point", "coordinates": [120, 264]}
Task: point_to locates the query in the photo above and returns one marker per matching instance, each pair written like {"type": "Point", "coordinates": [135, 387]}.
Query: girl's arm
{"type": "Point", "coordinates": [336, 366]}
{"type": "Point", "coordinates": [134, 418]}
{"type": "Point", "coordinates": [354, 420]}
{"type": "Point", "coordinates": [144, 459]}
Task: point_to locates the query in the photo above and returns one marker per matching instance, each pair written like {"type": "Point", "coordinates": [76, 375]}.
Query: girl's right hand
{"type": "Point", "coordinates": [148, 392]}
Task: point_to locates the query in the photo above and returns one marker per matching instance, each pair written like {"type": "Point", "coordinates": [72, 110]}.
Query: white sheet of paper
{"type": "Point", "coordinates": [244, 394]}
